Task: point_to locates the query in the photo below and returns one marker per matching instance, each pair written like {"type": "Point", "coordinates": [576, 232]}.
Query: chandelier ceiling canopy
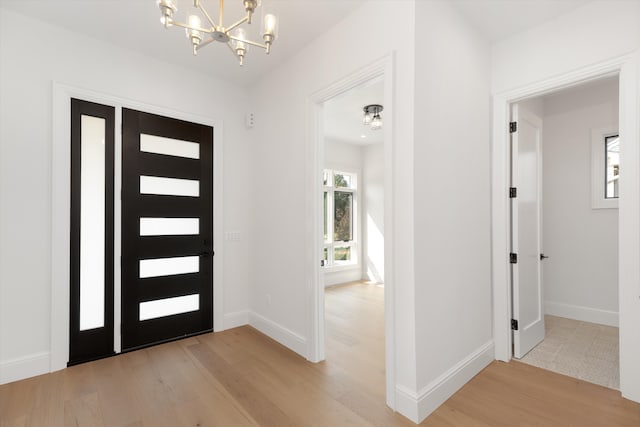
{"type": "Point", "coordinates": [234, 36]}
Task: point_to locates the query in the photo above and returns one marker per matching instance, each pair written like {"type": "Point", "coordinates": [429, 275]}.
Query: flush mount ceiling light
{"type": "Point", "coordinates": [372, 116]}
{"type": "Point", "coordinates": [233, 36]}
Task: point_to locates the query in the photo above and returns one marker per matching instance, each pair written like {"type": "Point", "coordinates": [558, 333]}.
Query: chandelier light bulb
{"type": "Point", "coordinates": [194, 21]}
{"type": "Point", "coordinates": [250, 7]}
{"type": "Point", "coordinates": [269, 30]}
{"type": "Point", "coordinates": [376, 123]}
{"type": "Point", "coordinates": [270, 25]}
{"type": "Point", "coordinates": [367, 119]}
{"type": "Point", "coordinates": [193, 33]}
{"type": "Point", "coordinates": [239, 44]}
{"type": "Point", "coordinates": [167, 9]}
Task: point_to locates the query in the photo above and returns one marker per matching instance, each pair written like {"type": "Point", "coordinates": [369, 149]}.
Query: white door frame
{"type": "Point", "coordinates": [60, 210]}
{"type": "Point", "coordinates": [629, 207]}
{"type": "Point", "coordinates": [315, 158]}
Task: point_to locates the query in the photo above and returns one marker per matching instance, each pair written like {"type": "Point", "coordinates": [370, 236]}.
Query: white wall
{"type": "Point", "coordinates": [534, 105]}
{"type": "Point", "coordinates": [373, 213]}
{"type": "Point", "coordinates": [592, 34]}
{"type": "Point", "coordinates": [342, 156]}
{"type": "Point", "coordinates": [281, 297]}
{"type": "Point", "coordinates": [452, 203]}
{"type": "Point", "coordinates": [581, 273]}
{"type": "Point", "coordinates": [599, 30]}
{"type": "Point", "coordinates": [345, 157]}
{"type": "Point", "coordinates": [28, 66]}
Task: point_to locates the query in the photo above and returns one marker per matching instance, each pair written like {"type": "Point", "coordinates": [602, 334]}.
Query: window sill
{"type": "Point", "coordinates": [604, 204]}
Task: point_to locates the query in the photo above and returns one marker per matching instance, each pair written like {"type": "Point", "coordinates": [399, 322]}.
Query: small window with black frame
{"type": "Point", "coordinates": [612, 166]}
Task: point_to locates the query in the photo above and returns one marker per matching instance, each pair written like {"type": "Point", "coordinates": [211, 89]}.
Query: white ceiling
{"type": "Point", "coordinates": [343, 115]}
{"type": "Point", "coordinates": [584, 87]}
{"type": "Point", "coordinates": [135, 24]}
{"type": "Point", "coordinates": [498, 19]}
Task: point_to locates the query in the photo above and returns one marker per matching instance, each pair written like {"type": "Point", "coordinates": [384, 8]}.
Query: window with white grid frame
{"type": "Point", "coordinates": [340, 219]}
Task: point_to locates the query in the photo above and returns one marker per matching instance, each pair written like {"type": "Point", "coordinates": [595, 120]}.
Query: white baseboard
{"type": "Point", "coordinates": [585, 314]}
{"type": "Point", "coordinates": [342, 276]}
{"type": "Point", "coordinates": [235, 319]}
{"type": "Point", "coordinates": [24, 367]}
{"type": "Point", "coordinates": [418, 406]}
{"type": "Point", "coordinates": [279, 333]}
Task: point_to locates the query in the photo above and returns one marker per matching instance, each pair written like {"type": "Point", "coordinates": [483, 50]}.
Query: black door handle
{"type": "Point", "coordinates": [207, 253]}
{"type": "Point", "coordinates": [543, 256]}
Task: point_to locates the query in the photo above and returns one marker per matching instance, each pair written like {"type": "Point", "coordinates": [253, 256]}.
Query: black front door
{"type": "Point", "coordinates": [167, 229]}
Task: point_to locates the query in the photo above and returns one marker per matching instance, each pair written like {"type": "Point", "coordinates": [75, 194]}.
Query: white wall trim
{"type": "Point", "coordinates": [273, 330]}
{"type": "Point", "coordinates": [629, 206]}
{"type": "Point", "coordinates": [24, 367]}
{"type": "Point", "coordinates": [60, 203]}
{"type": "Point", "coordinates": [236, 319]}
{"type": "Point", "coordinates": [584, 314]}
{"type": "Point", "coordinates": [417, 406]}
{"type": "Point", "coordinates": [314, 156]}
{"type": "Point", "coordinates": [407, 403]}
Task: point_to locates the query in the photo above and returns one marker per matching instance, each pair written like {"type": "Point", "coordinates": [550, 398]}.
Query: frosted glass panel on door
{"type": "Point", "coordinates": [169, 266]}
{"type": "Point", "coordinates": [169, 226]}
{"type": "Point", "coordinates": [169, 186]}
{"type": "Point", "coordinates": [168, 146]}
{"type": "Point", "coordinates": [92, 220]}
{"type": "Point", "coordinates": [169, 306]}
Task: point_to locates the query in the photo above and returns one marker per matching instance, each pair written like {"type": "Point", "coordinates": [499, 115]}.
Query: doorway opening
{"type": "Point", "coordinates": [378, 71]}
{"type": "Point", "coordinates": [564, 180]}
{"type": "Point", "coordinates": [353, 234]}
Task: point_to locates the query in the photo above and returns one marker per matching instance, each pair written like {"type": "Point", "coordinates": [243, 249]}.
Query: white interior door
{"type": "Point", "coordinates": [526, 176]}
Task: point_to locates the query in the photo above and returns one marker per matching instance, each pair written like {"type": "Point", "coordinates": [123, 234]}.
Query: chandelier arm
{"type": "Point", "coordinates": [237, 24]}
{"type": "Point", "coordinates": [205, 43]}
{"type": "Point", "coordinates": [221, 12]}
{"type": "Point", "coordinates": [248, 42]}
{"type": "Point", "coordinates": [206, 14]}
{"type": "Point", "coordinates": [190, 27]}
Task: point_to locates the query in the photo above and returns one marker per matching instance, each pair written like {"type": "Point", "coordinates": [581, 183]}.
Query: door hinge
{"type": "Point", "coordinates": [513, 127]}
{"type": "Point", "coordinates": [513, 258]}
{"type": "Point", "coordinates": [513, 192]}
{"type": "Point", "coordinates": [514, 325]}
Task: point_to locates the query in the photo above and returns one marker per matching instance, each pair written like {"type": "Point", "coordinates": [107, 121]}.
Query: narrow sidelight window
{"type": "Point", "coordinates": [91, 287]}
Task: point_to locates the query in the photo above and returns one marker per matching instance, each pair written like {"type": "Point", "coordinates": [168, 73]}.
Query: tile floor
{"type": "Point", "coordinates": [582, 350]}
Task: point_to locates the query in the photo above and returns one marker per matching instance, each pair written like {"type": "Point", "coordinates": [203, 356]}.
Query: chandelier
{"type": "Point", "coordinates": [372, 116]}
{"type": "Point", "coordinates": [234, 36]}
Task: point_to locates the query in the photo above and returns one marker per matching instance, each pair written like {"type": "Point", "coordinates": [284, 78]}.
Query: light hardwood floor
{"type": "Point", "coordinates": [242, 378]}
